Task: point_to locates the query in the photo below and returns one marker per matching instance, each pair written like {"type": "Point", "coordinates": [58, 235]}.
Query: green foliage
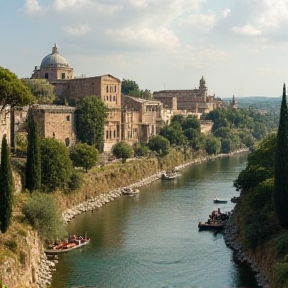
{"type": "Point", "coordinates": [22, 258]}
{"type": "Point", "coordinates": [260, 165]}
{"type": "Point", "coordinates": [91, 114]}
{"type": "Point", "coordinates": [33, 163]}
{"type": "Point", "coordinates": [258, 229]}
{"type": "Point", "coordinates": [13, 91]}
{"type": "Point", "coordinates": [56, 165]}
{"type": "Point", "coordinates": [122, 150]}
{"type": "Point", "coordinates": [41, 212]}
{"type": "Point", "coordinates": [281, 165]}
{"type": "Point", "coordinates": [84, 155]}
{"type": "Point", "coordinates": [213, 145]}
{"type": "Point", "coordinates": [129, 87]}
{"type": "Point", "coordinates": [76, 180]}
{"type": "Point", "coordinates": [6, 187]}
{"type": "Point", "coordinates": [140, 149]}
{"type": "Point", "coordinates": [174, 134]}
{"type": "Point", "coordinates": [42, 90]}
{"type": "Point", "coordinates": [280, 244]}
{"type": "Point", "coordinates": [159, 144]}
{"type": "Point", "coordinates": [281, 274]}
{"type": "Point", "coordinates": [12, 245]}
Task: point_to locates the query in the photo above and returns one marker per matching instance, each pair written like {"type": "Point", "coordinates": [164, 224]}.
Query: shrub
{"type": "Point", "coordinates": [75, 182]}
{"type": "Point", "coordinates": [281, 274]}
{"type": "Point", "coordinates": [280, 244]}
{"type": "Point", "coordinates": [22, 258]}
{"type": "Point", "coordinates": [12, 245]}
{"type": "Point", "coordinates": [42, 214]}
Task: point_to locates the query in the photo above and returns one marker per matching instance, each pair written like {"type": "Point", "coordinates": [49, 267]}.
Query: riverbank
{"type": "Point", "coordinates": [97, 202]}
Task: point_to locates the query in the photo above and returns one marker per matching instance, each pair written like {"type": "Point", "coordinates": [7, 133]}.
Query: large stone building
{"type": "Point", "coordinates": [195, 100]}
{"type": "Point", "coordinates": [55, 121]}
{"type": "Point", "coordinates": [55, 68]}
{"type": "Point", "coordinates": [141, 119]}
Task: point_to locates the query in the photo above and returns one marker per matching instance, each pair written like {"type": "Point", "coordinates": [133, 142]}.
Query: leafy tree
{"type": "Point", "coordinates": [13, 92]}
{"type": "Point", "coordinates": [159, 144]}
{"type": "Point", "coordinates": [122, 150]}
{"type": "Point", "coordinates": [191, 122]}
{"type": "Point", "coordinates": [6, 187]}
{"type": "Point", "coordinates": [174, 134]}
{"type": "Point", "coordinates": [140, 149]}
{"type": "Point", "coordinates": [281, 165]}
{"type": "Point", "coordinates": [33, 163]}
{"type": "Point", "coordinates": [42, 90]}
{"type": "Point", "coordinates": [213, 145]}
{"type": "Point", "coordinates": [130, 87]}
{"type": "Point", "coordinates": [91, 115]}
{"type": "Point", "coordinates": [56, 166]}
{"type": "Point", "coordinates": [41, 212]}
{"type": "Point", "coordinates": [84, 155]}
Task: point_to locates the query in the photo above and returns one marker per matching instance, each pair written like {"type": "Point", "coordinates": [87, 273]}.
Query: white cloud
{"type": "Point", "coordinates": [77, 31]}
{"type": "Point", "coordinates": [246, 30]}
{"type": "Point", "coordinates": [33, 7]}
{"type": "Point", "coordinates": [63, 4]}
{"type": "Point", "coordinates": [199, 21]}
{"type": "Point", "coordinates": [225, 13]}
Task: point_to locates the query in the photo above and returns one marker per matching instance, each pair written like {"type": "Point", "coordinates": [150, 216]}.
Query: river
{"type": "Point", "coordinates": [152, 239]}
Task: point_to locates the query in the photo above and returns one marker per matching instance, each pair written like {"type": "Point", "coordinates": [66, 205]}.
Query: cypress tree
{"type": "Point", "coordinates": [6, 187]}
{"type": "Point", "coordinates": [33, 163]}
{"type": "Point", "coordinates": [281, 166]}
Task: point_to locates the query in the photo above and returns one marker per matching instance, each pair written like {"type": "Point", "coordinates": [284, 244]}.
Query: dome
{"type": "Point", "coordinates": [54, 59]}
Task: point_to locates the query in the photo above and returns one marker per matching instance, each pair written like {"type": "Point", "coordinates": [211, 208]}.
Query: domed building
{"type": "Point", "coordinates": [53, 67]}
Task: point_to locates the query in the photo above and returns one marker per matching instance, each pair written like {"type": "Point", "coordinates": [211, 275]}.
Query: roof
{"type": "Point", "coordinates": [54, 59]}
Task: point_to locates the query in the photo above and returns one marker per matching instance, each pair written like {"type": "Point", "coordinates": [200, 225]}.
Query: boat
{"type": "Point", "coordinates": [130, 192]}
{"type": "Point", "coordinates": [219, 200]}
{"type": "Point", "coordinates": [169, 175]}
{"type": "Point", "coordinates": [67, 245]}
{"type": "Point", "coordinates": [210, 225]}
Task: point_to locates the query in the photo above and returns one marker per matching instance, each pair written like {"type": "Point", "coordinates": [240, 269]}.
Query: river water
{"type": "Point", "coordinates": [152, 239]}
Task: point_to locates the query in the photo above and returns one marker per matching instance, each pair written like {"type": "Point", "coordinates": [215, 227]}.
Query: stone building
{"type": "Point", "coordinates": [55, 68]}
{"type": "Point", "coordinates": [55, 121]}
{"type": "Point", "coordinates": [5, 125]}
{"type": "Point", "coordinates": [141, 119]}
{"type": "Point", "coordinates": [195, 100]}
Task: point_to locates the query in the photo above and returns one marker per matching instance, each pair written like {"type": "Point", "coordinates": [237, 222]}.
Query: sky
{"type": "Point", "coordinates": [239, 46]}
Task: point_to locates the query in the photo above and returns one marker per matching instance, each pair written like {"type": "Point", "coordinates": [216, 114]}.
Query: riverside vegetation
{"type": "Point", "coordinates": [53, 183]}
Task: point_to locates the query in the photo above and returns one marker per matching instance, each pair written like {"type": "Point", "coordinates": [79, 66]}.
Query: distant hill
{"type": "Point", "coordinates": [271, 104]}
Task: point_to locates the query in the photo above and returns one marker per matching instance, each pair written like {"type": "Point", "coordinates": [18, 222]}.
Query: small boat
{"type": "Point", "coordinates": [130, 192]}
{"type": "Point", "coordinates": [211, 226]}
{"type": "Point", "coordinates": [169, 175]}
{"type": "Point", "coordinates": [66, 246]}
{"type": "Point", "coordinates": [234, 199]}
{"type": "Point", "coordinates": [219, 200]}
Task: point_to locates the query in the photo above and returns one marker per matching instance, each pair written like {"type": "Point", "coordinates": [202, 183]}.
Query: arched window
{"type": "Point", "coordinates": [107, 89]}
{"type": "Point", "coordinates": [107, 135]}
{"type": "Point", "coordinates": [110, 134]}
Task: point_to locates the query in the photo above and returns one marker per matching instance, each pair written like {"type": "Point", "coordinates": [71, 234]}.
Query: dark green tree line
{"type": "Point", "coordinates": [33, 163]}
{"type": "Point", "coordinates": [281, 165]}
{"type": "Point", "coordinates": [6, 187]}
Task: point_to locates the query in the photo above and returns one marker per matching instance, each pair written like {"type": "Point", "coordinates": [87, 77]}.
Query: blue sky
{"type": "Point", "coordinates": [239, 46]}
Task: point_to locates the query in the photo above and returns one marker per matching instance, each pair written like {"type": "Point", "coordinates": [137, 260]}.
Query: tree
{"type": "Point", "coordinates": [91, 114]}
{"type": "Point", "coordinates": [122, 150]}
{"type": "Point", "coordinates": [84, 155]}
{"type": "Point", "coordinates": [56, 166]}
{"type": "Point", "coordinates": [13, 92]}
{"type": "Point", "coordinates": [33, 163]}
{"type": "Point", "coordinates": [6, 187]}
{"type": "Point", "coordinates": [130, 87]}
{"type": "Point", "coordinates": [281, 165]}
{"type": "Point", "coordinates": [213, 145]}
{"type": "Point", "coordinates": [159, 144]}
{"type": "Point", "coordinates": [41, 212]}
{"type": "Point", "coordinates": [42, 90]}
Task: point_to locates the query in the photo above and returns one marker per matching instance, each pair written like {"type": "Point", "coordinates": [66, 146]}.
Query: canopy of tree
{"type": "Point", "coordinates": [131, 88]}
{"type": "Point", "coordinates": [159, 144]}
{"type": "Point", "coordinates": [13, 92]}
{"type": "Point", "coordinates": [42, 90]}
{"type": "Point", "coordinates": [122, 150]}
{"type": "Point", "coordinates": [56, 166]}
{"type": "Point", "coordinates": [84, 155]}
{"type": "Point", "coordinates": [91, 115]}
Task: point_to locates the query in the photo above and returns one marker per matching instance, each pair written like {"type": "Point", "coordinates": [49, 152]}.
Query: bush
{"type": "Point", "coordinates": [122, 150]}
{"type": "Point", "coordinates": [12, 245]}
{"type": "Point", "coordinates": [22, 258]}
{"type": "Point", "coordinates": [280, 244]}
{"type": "Point", "coordinates": [76, 181]}
{"type": "Point", "coordinates": [281, 274]}
{"type": "Point", "coordinates": [42, 214]}
{"type": "Point", "coordinates": [140, 150]}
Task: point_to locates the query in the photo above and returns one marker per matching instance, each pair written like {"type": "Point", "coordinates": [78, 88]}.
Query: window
{"type": "Point", "coordinates": [110, 134]}
{"type": "Point", "coordinates": [46, 76]}
{"type": "Point", "coordinates": [115, 88]}
{"type": "Point", "coordinates": [63, 75]}
{"type": "Point", "coordinates": [107, 135]}
{"type": "Point", "coordinates": [68, 118]}
{"type": "Point", "coordinates": [114, 98]}
{"type": "Point", "coordinates": [107, 89]}
{"type": "Point", "coordinates": [110, 98]}
{"type": "Point", "coordinates": [114, 133]}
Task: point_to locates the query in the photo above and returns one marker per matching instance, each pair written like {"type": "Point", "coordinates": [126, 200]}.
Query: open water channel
{"type": "Point", "coordinates": [152, 239]}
